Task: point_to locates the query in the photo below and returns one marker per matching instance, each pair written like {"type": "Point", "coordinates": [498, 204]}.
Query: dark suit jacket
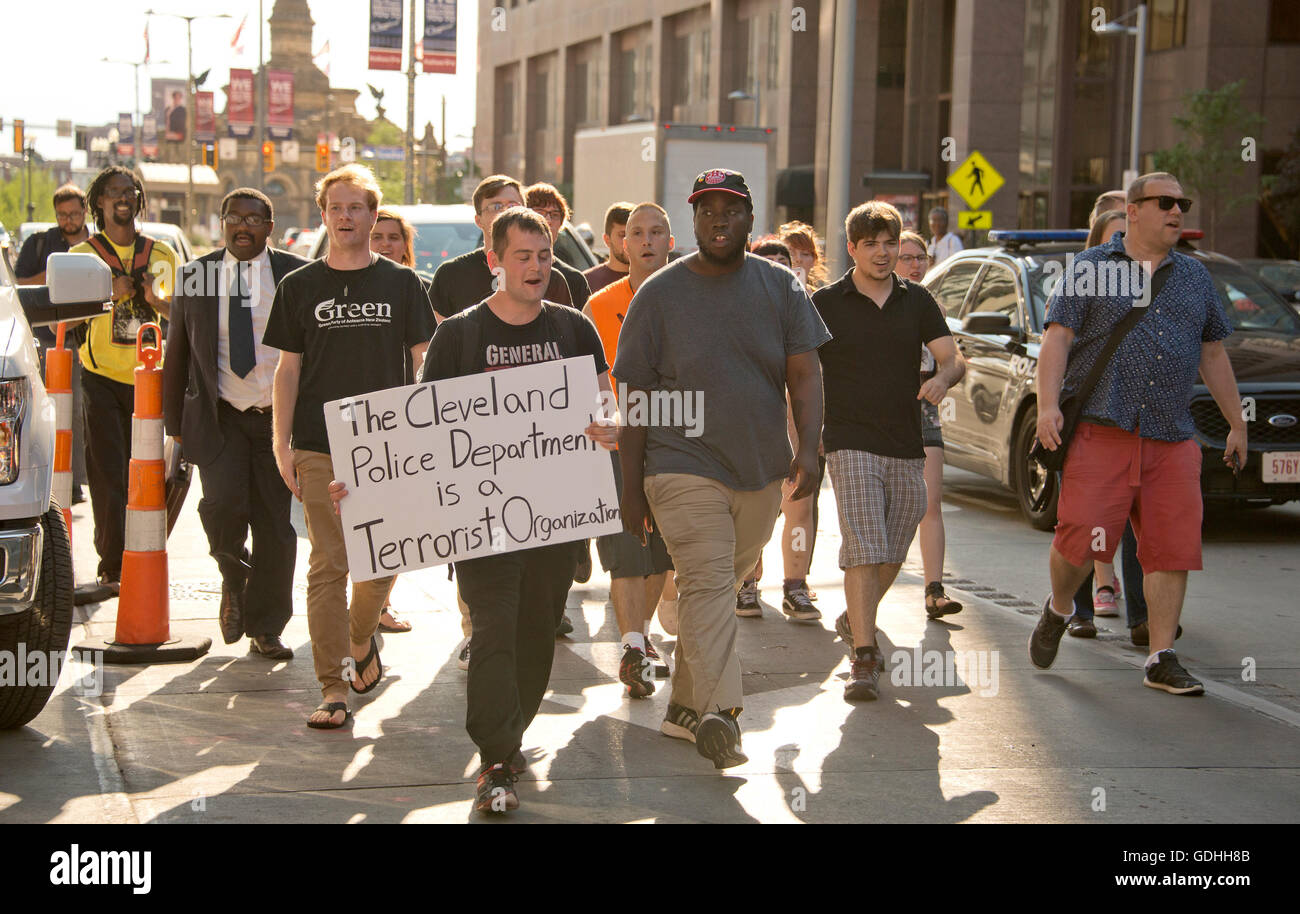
{"type": "Point", "coordinates": [190, 365]}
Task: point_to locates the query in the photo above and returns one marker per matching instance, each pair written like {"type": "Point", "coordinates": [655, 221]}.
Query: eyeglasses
{"type": "Point", "coordinates": [1166, 202]}
{"type": "Point", "coordinates": [70, 215]}
{"type": "Point", "coordinates": [913, 258]}
{"type": "Point", "coordinates": [495, 208]}
{"type": "Point", "coordinates": [549, 213]}
{"type": "Point", "coordinates": [129, 194]}
{"type": "Point", "coordinates": [252, 221]}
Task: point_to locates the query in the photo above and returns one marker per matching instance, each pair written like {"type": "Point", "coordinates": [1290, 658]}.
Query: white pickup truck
{"type": "Point", "coordinates": [35, 552]}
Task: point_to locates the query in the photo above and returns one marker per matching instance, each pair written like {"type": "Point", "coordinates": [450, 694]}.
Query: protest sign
{"type": "Point", "coordinates": [469, 467]}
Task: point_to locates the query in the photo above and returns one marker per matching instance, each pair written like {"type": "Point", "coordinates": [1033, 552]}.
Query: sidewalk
{"type": "Point", "coordinates": [223, 739]}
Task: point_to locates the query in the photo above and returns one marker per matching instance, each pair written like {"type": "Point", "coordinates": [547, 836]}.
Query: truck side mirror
{"type": "Point", "coordinates": [77, 286]}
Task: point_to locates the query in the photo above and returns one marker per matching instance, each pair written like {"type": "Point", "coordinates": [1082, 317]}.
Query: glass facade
{"type": "Point", "coordinates": [1038, 109]}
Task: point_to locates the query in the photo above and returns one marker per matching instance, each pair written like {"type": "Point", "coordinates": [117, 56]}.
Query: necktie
{"type": "Point", "coordinates": [242, 356]}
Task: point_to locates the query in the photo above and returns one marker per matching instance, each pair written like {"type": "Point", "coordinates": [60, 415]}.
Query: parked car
{"type": "Point", "coordinates": [994, 299]}
{"type": "Point", "coordinates": [446, 231]}
{"type": "Point", "coordinates": [304, 241]}
{"type": "Point", "coordinates": [1282, 275]}
{"type": "Point", "coordinates": [173, 236]}
{"type": "Point", "coordinates": [287, 239]}
{"type": "Point", "coordinates": [36, 572]}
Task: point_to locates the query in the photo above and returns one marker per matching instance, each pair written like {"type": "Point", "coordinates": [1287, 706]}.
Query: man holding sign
{"type": "Point", "coordinates": [343, 326]}
{"type": "Point", "coordinates": [516, 597]}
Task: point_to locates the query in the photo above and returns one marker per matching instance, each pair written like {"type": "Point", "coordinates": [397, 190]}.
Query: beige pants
{"type": "Point", "coordinates": [331, 622]}
{"type": "Point", "coordinates": [715, 535]}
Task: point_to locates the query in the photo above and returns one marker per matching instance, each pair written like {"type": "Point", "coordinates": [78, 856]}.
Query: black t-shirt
{"type": "Point", "coordinates": [466, 280]}
{"type": "Point", "coordinates": [557, 333]}
{"type": "Point", "coordinates": [579, 291]}
{"type": "Point", "coordinates": [869, 368]}
{"type": "Point", "coordinates": [354, 329]}
{"type": "Point", "coordinates": [31, 260]}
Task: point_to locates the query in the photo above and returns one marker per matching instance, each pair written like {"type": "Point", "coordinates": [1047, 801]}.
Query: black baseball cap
{"type": "Point", "coordinates": [731, 182]}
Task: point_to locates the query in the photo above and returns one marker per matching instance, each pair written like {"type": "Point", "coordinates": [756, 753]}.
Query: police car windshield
{"type": "Point", "coordinates": [439, 241]}
{"type": "Point", "coordinates": [1248, 302]}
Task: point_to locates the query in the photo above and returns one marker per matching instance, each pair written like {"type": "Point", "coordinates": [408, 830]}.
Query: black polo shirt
{"type": "Point", "coordinates": [871, 366]}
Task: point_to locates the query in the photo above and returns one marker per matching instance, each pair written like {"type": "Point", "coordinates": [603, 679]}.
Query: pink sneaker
{"type": "Point", "coordinates": [1103, 602]}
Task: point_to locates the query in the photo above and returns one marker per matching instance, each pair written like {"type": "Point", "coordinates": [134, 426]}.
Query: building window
{"type": "Point", "coordinates": [1166, 24]}
{"type": "Point", "coordinates": [1284, 22]}
{"type": "Point", "coordinates": [627, 83]}
{"type": "Point", "coordinates": [773, 47]}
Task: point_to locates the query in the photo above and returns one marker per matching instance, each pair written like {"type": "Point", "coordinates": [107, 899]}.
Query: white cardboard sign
{"type": "Point", "coordinates": [473, 466]}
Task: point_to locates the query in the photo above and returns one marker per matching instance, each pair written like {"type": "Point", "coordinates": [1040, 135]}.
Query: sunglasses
{"type": "Point", "coordinates": [1165, 202]}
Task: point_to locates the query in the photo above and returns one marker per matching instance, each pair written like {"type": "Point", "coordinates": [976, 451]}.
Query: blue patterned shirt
{"type": "Point", "coordinates": [1148, 384]}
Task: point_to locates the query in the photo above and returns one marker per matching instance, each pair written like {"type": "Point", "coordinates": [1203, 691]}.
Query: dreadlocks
{"type": "Point", "coordinates": [100, 183]}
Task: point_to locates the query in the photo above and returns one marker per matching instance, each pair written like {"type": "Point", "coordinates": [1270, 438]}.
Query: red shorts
{"type": "Point", "coordinates": [1112, 476]}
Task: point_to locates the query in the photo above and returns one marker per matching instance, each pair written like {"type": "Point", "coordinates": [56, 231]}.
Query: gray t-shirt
{"type": "Point", "coordinates": [713, 348]}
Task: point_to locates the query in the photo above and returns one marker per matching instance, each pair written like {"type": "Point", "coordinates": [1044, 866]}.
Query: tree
{"type": "Point", "coordinates": [1282, 194]}
{"type": "Point", "coordinates": [1211, 151]}
{"type": "Point", "coordinates": [13, 196]}
{"type": "Point", "coordinates": [391, 175]}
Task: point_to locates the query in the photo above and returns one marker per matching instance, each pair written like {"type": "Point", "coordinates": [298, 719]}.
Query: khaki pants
{"type": "Point", "coordinates": [714, 535]}
{"type": "Point", "coordinates": [331, 622]}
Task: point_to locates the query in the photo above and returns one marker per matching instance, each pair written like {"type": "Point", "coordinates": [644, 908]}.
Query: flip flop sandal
{"type": "Point", "coordinates": [331, 707]}
{"type": "Point", "coordinates": [365, 665]}
{"type": "Point", "coordinates": [400, 628]}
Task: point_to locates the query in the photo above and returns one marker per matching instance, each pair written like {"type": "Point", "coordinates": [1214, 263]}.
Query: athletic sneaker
{"type": "Point", "coordinates": [864, 675]}
{"type": "Point", "coordinates": [661, 668]}
{"type": "Point", "coordinates": [565, 627]}
{"type": "Point", "coordinates": [717, 738]}
{"type": "Point", "coordinates": [680, 723]}
{"type": "Point", "coordinates": [797, 605]}
{"type": "Point", "coordinates": [636, 672]}
{"type": "Point", "coordinates": [462, 659]}
{"type": "Point", "coordinates": [494, 791]}
{"type": "Point", "coordinates": [1046, 636]}
{"type": "Point", "coordinates": [518, 764]}
{"type": "Point", "coordinates": [1168, 674]}
{"type": "Point", "coordinates": [747, 605]}
{"type": "Point", "coordinates": [844, 630]}
{"type": "Point", "coordinates": [1103, 602]}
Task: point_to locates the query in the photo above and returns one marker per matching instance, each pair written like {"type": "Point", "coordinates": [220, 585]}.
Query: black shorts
{"type": "Point", "coordinates": [622, 555]}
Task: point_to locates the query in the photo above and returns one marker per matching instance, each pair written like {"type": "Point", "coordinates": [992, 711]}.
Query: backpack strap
{"type": "Point", "coordinates": [107, 253]}
{"type": "Point", "coordinates": [471, 340]}
{"type": "Point", "coordinates": [143, 251]}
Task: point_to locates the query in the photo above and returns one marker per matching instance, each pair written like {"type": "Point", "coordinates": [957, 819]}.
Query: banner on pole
{"type": "Point", "coordinates": [439, 36]}
{"type": "Point", "coordinates": [205, 120]}
{"type": "Point", "coordinates": [149, 137]}
{"type": "Point", "coordinates": [469, 467]}
{"type": "Point", "coordinates": [169, 111]}
{"type": "Point", "coordinates": [125, 134]}
{"type": "Point", "coordinates": [385, 35]}
{"type": "Point", "coordinates": [279, 104]}
{"type": "Point", "coordinates": [241, 117]}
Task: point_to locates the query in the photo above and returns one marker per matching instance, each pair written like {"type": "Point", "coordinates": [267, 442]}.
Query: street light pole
{"type": "Point", "coordinates": [408, 192]}
{"type": "Point", "coordinates": [1139, 33]}
{"type": "Point", "coordinates": [261, 100]}
{"type": "Point", "coordinates": [841, 145]}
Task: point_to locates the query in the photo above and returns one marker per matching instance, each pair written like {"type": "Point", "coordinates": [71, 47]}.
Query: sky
{"type": "Point", "coordinates": [55, 72]}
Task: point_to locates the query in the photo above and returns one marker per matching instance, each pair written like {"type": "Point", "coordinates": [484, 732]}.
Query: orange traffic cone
{"type": "Point", "coordinates": [58, 384]}
{"type": "Point", "coordinates": [143, 635]}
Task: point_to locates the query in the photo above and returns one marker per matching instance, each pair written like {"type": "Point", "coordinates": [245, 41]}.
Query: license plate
{"type": "Point", "coordinates": [1282, 466]}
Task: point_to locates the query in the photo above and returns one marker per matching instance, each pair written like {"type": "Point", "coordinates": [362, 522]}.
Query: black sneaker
{"type": "Point", "coordinates": [661, 668]}
{"type": "Point", "coordinates": [565, 627]}
{"type": "Point", "coordinates": [495, 790]}
{"type": "Point", "coordinates": [747, 604]}
{"type": "Point", "coordinates": [582, 571]}
{"type": "Point", "coordinates": [864, 676]}
{"type": "Point", "coordinates": [717, 738]}
{"type": "Point", "coordinates": [680, 723]}
{"type": "Point", "coordinates": [1046, 637]}
{"type": "Point", "coordinates": [797, 605]}
{"type": "Point", "coordinates": [636, 671]}
{"type": "Point", "coordinates": [844, 630]}
{"type": "Point", "coordinates": [933, 594]}
{"type": "Point", "coordinates": [1168, 674]}
{"type": "Point", "coordinates": [1082, 628]}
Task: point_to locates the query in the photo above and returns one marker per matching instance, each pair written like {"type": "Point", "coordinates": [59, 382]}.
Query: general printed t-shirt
{"type": "Point", "coordinates": [869, 369]}
{"type": "Point", "coordinates": [466, 280]}
{"type": "Point", "coordinates": [719, 343]}
{"type": "Point", "coordinates": [353, 328]}
{"type": "Point", "coordinates": [558, 332]}
{"type": "Point", "coordinates": [109, 349]}
{"type": "Point", "coordinates": [608, 311]}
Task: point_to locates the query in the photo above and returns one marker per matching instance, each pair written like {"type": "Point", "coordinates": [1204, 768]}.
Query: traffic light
{"type": "Point", "coordinates": [268, 156]}
{"type": "Point", "coordinates": [322, 157]}
{"type": "Point", "coordinates": [208, 154]}
{"type": "Point", "coordinates": [19, 138]}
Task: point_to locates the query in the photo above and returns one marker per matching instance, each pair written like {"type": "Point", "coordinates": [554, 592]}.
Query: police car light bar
{"type": "Point", "coordinates": [1030, 236]}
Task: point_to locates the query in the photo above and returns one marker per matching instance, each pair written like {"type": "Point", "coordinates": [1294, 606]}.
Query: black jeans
{"type": "Point", "coordinates": [242, 490]}
{"type": "Point", "coordinates": [1135, 601]}
{"type": "Point", "coordinates": [109, 405]}
{"type": "Point", "coordinates": [515, 601]}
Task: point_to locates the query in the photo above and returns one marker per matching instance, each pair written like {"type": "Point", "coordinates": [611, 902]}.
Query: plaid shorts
{"type": "Point", "coordinates": [881, 500]}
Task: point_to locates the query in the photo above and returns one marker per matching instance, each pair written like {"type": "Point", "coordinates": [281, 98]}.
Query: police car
{"type": "Point", "coordinates": [995, 299]}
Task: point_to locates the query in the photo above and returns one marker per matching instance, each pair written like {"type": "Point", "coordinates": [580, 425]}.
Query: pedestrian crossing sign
{"type": "Point", "coordinates": [975, 180]}
{"type": "Point", "coordinates": [980, 219]}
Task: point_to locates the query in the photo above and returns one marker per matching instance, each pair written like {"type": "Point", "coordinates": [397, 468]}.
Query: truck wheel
{"type": "Point", "coordinates": [44, 628]}
{"type": "Point", "coordinates": [1030, 479]}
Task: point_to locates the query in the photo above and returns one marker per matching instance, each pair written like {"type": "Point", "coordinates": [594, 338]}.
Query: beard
{"type": "Point", "coordinates": [729, 256]}
{"type": "Point", "coordinates": [123, 220]}
{"type": "Point", "coordinates": [617, 257]}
